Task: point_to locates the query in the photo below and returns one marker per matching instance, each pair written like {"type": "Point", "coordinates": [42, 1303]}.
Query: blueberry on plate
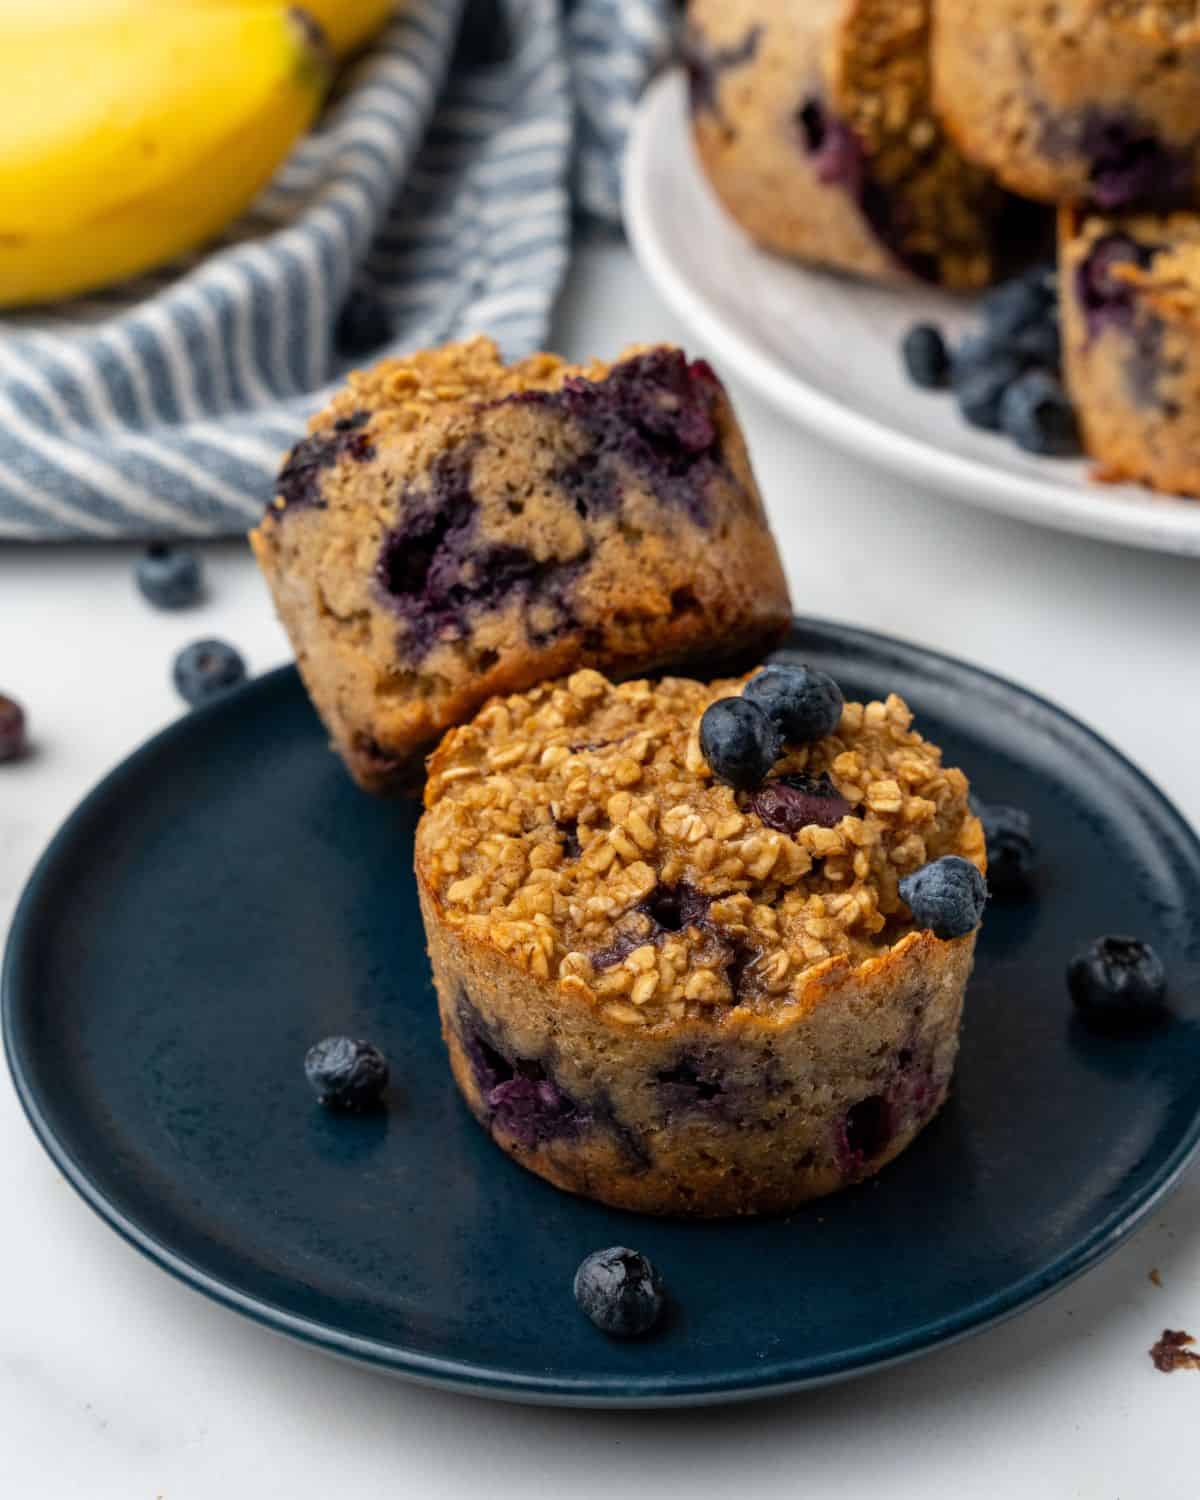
{"type": "Point", "coordinates": [738, 741]}
{"type": "Point", "coordinates": [206, 669]}
{"type": "Point", "coordinates": [1037, 414]}
{"type": "Point", "coordinates": [13, 743]}
{"type": "Point", "coordinates": [1041, 345]}
{"type": "Point", "coordinates": [947, 897]}
{"type": "Point", "coordinates": [1010, 849]}
{"type": "Point", "coordinates": [926, 357]}
{"type": "Point", "coordinates": [1019, 304]}
{"type": "Point", "coordinates": [1118, 983]}
{"type": "Point", "coordinates": [982, 374]}
{"type": "Point", "coordinates": [346, 1074]}
{"type": "Point", "coordinates": [169, 577]}
{"type": "Point", "coordinates": [363, 325]}
{"type": "Point", "coordinates": [620, 1291]}
{"type": "Point", "coordinates": [803, 704]}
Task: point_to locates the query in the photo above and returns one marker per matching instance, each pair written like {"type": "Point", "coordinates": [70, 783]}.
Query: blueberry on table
{"type": "Point", "coordinates": [947, 896]}
{"type": "Point", "coordinates": [1117, 983]}
{"type": "Point", "coordinates": [169, 577]}
{"type": "Point", "coordinates": [1037, 414]}
{"type": "Point", "coordinates": [13, 743]}
{"type": "Point", "coordinates": [1010, 849]}
{"type": "Point", "coordinates": [620, 1291]}
{"type": "Point", "coordinates": [346, 1074]}
{"type": "Point", "coordinates": [803, 704]}
{"type": "Point", "coordinates": [363, 325]}
{"type": "Point", "coordinates": [926, 357]}
{"type": "Point", "coordinates": [738, 741]}
{"type": "Point", "coordinates": [206, 669]}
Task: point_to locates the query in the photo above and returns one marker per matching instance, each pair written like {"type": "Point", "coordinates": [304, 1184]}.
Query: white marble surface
{"type": "Point", "coordinates": [118, 1384]}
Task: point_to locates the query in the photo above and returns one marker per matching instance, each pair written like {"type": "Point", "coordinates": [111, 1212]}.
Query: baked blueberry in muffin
{"type": "Point", "coordinates": [1131, 334]}
{"type": "Point", "coordinates": [814, 124]}
{"type": "Point", "coordinates": [680, 995]}
{"type": "Point", "coordinates": [1083, 101]}
{"type": "Point", "coordinates": [455, 527]}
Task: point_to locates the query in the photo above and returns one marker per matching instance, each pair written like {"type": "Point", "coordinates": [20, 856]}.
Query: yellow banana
{"type": "Point", "coordinates": [131, 132]}
{"type": "Point", "coordinates": [350, 23]}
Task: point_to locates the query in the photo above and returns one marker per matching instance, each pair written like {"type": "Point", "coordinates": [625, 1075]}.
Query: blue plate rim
{"type": "Point", "coordinates": [625, 1391]}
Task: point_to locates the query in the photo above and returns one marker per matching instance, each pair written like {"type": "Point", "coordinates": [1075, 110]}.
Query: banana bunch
{"type": "Point", "coordinates": [134, 130]}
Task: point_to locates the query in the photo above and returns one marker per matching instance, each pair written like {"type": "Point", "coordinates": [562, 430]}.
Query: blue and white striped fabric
{"type": "Point", "coordinates": [161, 408]}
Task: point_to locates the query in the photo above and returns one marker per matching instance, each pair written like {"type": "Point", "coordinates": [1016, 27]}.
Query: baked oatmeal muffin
{"type": "Point", "coordinates": [1130, 297]}
{"type": "Point", "coordinates": [677, 997]}
{"type": "Point", "coordinates": [813, 123]}
{"type": "Point", "coordinates": [454, 527]}
{"type": "Point", "coordinates": [1094, 101]}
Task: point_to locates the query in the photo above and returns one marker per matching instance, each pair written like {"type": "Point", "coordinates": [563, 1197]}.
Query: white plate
{"type": "Point", "coordinates": [824, 349]}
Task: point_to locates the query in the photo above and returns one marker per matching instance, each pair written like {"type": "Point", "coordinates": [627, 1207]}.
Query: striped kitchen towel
{"type": "Point", "coordinates": [441, 177]}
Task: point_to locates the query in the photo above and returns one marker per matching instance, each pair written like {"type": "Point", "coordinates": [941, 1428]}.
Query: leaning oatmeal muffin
{"type": "Point", "coordinates": [1130, 298]}
{"type": "Point", "coordinates": [679, 997]}
{"type": "Point", "coordinates": [1094, 101]}
{"type": "Point", "coordinates": [813, 123]}
{"type": "Point", "coordinates": [455, 527]}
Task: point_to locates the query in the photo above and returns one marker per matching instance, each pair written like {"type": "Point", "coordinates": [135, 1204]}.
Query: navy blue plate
{"type": "Point", "coordinates": [226, 897]}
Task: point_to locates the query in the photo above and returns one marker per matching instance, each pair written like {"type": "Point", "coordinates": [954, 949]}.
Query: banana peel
{"type": "Point", "coordinates": [131, 133]}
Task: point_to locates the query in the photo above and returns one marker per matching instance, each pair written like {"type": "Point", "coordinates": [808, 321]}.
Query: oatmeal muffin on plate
{"type": "Point", "coordinates": [813, 122]}
{"type": "Point", "coordinates": [678, 995]}
{"type": "Point", "coordinates": [454, 527]}
{"type": "Point", "coordinates": [1130, 297]}
{"type": "Point", "coordinates": [1094, 101]}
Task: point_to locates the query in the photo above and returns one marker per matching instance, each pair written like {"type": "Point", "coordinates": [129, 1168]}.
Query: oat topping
{"type": "Point", "coordinates": [578, 828]}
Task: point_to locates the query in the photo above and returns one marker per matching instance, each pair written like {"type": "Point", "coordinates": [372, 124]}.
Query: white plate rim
{"type": "Point", "coordinates": [1149, 521]}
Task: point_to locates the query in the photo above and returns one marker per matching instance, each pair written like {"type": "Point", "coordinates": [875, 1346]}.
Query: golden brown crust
{"type": "Point", "coordinates": [869, 183]}
{"type": "Point", "coordinates": [1135, 377]}
{"type": "Point", "coordinates": [653, 577]}
{"type": "Point", "coordinates": [702, 1059]}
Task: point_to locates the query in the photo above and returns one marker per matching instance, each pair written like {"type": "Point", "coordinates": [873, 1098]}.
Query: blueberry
{"type": "Point", "coordinates": [1041, 345]}
{"type": "Point", "coordinates": [790, 803]}
{"type": "Point", "coordinates": [206, 669]}
{"type": "Point", "coordinates": [926, 357]}
{"type": "Point", "coordinates": [620, 1291]}
{"type": "Point", "coordinates": [13, 743]}
{"type": "Point", "coordinates": [1010, 849]}
{"type": "Point", "coordinates": [947, 896]}
{"type": "Point", "coordinates": [1016, 305]}
{"type": "Point", "coordinates": [1117, 983]}
{"type": "Point", "coordinates": [346, 1074]}
{"type": "Point", "coordinates": [738, 741]}
{"type": "Point", "coordinates": [982, 374]}
{"type": "Point", "coordinates": [803, 704]}
{"type": "Point", "coordinates": [169, 578]}
{"type": "Point", "coordinates": [363, 325]}
{"type": "Point", "coordinates": [1037, 414]}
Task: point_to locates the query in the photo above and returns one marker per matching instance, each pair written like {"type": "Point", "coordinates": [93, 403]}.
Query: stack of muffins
{"type": "Point", "coordinates": [896, 139]}
{"type": "Point", "coordinates": [670, 977]}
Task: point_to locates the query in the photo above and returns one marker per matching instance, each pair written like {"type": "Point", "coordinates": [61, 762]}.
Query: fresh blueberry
{"type": "Point", "coordinates": [13, 743]}
{"type": "Point", "coordinates": [620, 1291]}
{"type": "Point", "coordinates": [981, 375]}
{"type": "Point", "coordinates": [1117, 983]}
{"type": "Point", "coordinates": [926, 357]}
{"type": "Point", "coordinates": [1016, 305]}
{"type": "Point", "coordinates": [947, 896]}
{"type": "Point", "coordinates": [345, 1074]}
{"type": "Point", "coordinates": [206, 669]}
{"type": "Point", "coordinates": [363, 325]}
{"type": "Point", "coordinates": [1010, 849]}
{"type": "Point", "coordinates": [1037, 414]}
{"type": "Point", "coordinates": [803, 704]}
{"type": "Point", "coordinates": [738, 741]}
{"type": "Point", "coordinates": [169, 578]}
{"type": "Point", "coordinates": [1041, 345]}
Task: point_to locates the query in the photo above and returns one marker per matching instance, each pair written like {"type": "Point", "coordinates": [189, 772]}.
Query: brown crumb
{"type": "Point", "coordinates": [1172, 1353]}
{"type": "Point", "coordinates": [1156, 1278]}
